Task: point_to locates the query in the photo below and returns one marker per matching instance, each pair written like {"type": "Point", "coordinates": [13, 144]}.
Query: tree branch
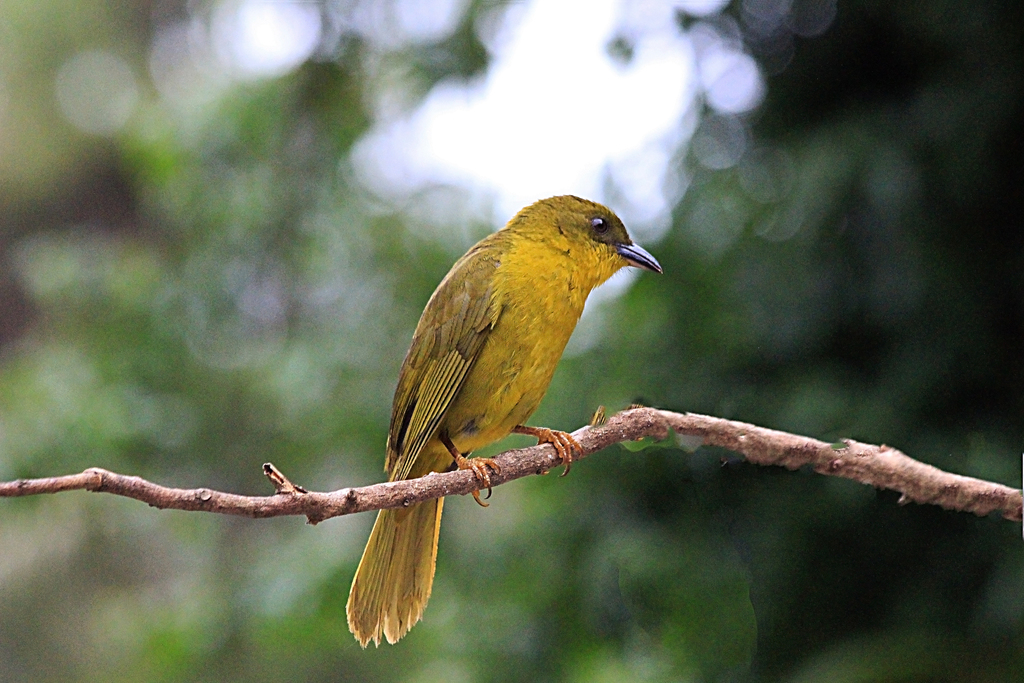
{"type": "Point", "coordinates": [879, 466]}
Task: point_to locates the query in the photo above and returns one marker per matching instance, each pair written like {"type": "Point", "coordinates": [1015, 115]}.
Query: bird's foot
{"type": "Point", "coordinates": [477, 465]}
{"type": "Point", "coordinates": [565, 444]}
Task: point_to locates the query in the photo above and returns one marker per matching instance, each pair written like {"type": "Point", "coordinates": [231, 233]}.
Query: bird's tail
{"type": "Point", "coordinates": [392, 584]}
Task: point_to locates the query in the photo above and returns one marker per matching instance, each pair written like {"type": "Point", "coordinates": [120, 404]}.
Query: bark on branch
{"type": "Point", "coordinates": [878, 466]}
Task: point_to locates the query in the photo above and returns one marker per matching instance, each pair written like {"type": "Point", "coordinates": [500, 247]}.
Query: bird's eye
{"type": "Point", "coordinates": [599, 225]}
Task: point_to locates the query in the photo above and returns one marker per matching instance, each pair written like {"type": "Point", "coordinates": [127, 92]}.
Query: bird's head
{"type": "Point", "coordinates": [589, 233]}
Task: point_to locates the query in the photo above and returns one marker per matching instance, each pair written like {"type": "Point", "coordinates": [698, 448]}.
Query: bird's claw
{"type": "Point", "coordinates": [479, 467]}
{"type": "Point", "coordinates": [565, 444]}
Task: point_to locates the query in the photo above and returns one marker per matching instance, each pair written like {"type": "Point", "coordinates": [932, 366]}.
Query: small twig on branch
{"type": "Point", "coordinates": [878, 466]}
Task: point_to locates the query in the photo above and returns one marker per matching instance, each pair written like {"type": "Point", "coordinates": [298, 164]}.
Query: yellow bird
{"type": "Point", "coordinates": [480, 361]}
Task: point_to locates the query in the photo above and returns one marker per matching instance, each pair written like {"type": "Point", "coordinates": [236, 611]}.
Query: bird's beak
{"type": "Point", "coordinates": [638, 256]}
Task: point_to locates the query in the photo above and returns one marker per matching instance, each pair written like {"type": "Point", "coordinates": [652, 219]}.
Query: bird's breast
{"type": "Point", "coordinates": [539, 311]}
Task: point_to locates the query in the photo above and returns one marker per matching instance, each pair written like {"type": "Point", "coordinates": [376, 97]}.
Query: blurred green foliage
{"type": "Point", "coordinates": [212, 288]}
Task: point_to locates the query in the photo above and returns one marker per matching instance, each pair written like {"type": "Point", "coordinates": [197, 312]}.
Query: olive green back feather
{"type": "Point", "coordinates": [448, 338]}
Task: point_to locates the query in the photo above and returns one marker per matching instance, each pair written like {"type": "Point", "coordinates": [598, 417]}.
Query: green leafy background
{"type": "Point", "coordinates": [210, 288]}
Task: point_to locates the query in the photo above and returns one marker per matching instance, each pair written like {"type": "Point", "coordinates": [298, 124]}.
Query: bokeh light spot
{"type": "Point", "coordinates": [701, 8]}
{"type": "Point", "coordinates": [257, 38]}
{"type": "Point", "coordinates": [423, 21]}
{"type": "Point", "coordinates": [96, 92]}
{"type": "Point", "coordinates": [719, 142]}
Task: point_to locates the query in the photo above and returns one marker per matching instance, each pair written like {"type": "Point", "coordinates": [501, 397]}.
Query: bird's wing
{"type": "Point", "coordinates": [448, 338]}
